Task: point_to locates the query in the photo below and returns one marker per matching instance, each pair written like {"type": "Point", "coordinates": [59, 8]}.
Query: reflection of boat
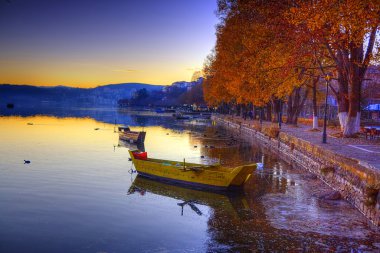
{"type": "Point", "coordinates": [164, 110]}
{"type": "Point", "coordinates": [133, 146]}
{"type": "Point", "coordinates": [203, 116]}
{"type": "Point", "coordinates": [126, 134]}
{"type": "Point", "coordinates": [185, 194]}
{"type": "Point", "coordinates": [231, 203]}
{"type": "Point", "coordinates": [192, 115]}
{"type": "Point", "coordinates": [205, 176]}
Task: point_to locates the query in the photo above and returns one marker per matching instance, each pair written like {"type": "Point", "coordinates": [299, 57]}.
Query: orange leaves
{"type": "Point", "coordinates": [336, 20]}
{"type": "Point", "coordinates": [251, 55]}
{"type": "Point", "coordinates": [262, 45]}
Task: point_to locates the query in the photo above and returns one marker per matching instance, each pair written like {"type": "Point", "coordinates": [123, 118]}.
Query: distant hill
{"type": "Point", "coordinates": [176, 94]}
{"type": "Point", "coordinates": [106, 95]}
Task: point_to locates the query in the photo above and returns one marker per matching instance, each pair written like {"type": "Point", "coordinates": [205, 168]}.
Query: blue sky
{"type": "Point", "coordinates": [92, 42]}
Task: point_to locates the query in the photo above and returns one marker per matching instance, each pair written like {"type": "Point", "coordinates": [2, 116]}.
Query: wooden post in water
{"type": "Point", "coordinates": [184, 164]}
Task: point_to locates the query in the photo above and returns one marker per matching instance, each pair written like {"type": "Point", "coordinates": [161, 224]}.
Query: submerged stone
{"type": "Point", "coordinates": [333, 195]}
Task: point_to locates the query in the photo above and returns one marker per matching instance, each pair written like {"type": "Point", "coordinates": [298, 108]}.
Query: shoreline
{"type": "Point", "coordinates": [356, 181]}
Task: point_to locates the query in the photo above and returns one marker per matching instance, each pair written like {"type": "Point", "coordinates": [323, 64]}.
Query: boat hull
{"type": "Point", "coordinates": [187, 184]}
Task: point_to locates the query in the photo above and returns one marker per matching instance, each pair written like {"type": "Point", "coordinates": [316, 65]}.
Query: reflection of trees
{"type": "Point", "coordinates": [215, 142]}
{"type": "Point", "coordinates": [250, 230]}
{"type": "Point", "coordinates": [131, 117]}
{"type": "Point", "coordinates": [254, 233]}
{"type": "Point", "coordinates": [233, 218]}
{"type": "Point", "coordinates": [235, 221]}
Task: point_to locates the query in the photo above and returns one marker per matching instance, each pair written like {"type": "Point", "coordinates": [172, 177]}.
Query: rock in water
{"type": "Point", "coordinates": [333, 195]}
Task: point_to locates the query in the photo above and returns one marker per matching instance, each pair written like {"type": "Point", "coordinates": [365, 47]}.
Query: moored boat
{"type": "Point", "coordinates": [181, 116]}
{"type": "Point", "coordinates": [204, 176]}
{"type": "Point", "coordinates": [126, 134]}
{"type": "Point", "coordinates": [203, 116]}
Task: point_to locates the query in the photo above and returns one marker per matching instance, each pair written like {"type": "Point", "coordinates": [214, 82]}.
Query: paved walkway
{"type": "Point", "coordinates": [367, 152]}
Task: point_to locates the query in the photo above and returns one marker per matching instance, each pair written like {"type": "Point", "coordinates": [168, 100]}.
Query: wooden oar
{"type": "Point", "coordinates": [196, 168]}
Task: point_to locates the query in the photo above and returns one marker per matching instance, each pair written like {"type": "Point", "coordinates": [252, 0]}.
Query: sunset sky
{"type": "Point", "coordinates": [86, 43]}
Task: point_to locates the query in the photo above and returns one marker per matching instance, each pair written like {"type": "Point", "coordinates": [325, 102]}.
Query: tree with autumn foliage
{"type": "Point", "coordinates": [270, 50]}
{"type": "Point", "coordinates": [255, 57]}
{"type": "Point", "coordinates": [345, 33]}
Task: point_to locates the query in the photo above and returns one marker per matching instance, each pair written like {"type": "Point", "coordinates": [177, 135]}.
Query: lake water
{"type": "Point", "coordinates": [79, 193]}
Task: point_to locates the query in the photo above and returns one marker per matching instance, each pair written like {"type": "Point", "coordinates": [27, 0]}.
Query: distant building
{"type": "Point", "coordinates": [182, 85]}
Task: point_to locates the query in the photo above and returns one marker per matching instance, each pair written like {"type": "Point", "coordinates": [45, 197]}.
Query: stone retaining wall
{"type": "Point", "coordinates": [356, 183]}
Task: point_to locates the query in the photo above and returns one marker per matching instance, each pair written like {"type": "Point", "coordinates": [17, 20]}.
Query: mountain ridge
{"type": "Point", "coordinates": [25, 94]}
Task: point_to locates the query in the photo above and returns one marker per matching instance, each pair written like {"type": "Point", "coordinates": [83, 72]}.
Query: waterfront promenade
{"type": "Point", "coordinates": [365, 151]}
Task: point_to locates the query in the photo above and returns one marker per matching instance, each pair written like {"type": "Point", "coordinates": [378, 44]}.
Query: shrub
{"type": "Point", "coordinates": [272, 131]}
{"type": "Point", "coordinates": [370, 195]}
{"type": "Point", "coordinates": [327, 170]}
{"type": "Point", "coordinates": [256, 126]}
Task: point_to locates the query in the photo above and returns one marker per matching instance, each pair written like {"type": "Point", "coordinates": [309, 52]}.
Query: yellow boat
{"type": "Point", "coordinates": [205, 176]}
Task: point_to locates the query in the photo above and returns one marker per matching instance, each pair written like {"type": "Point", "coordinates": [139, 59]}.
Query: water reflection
{"type": "Point", "coordinates": [123, 116]}
{"type": "Point", "coordinates": [231, 203]}
{"type": "Point", "coordinates": [74, 190]}
{"type": "Point", "coordinates": [131, 146]}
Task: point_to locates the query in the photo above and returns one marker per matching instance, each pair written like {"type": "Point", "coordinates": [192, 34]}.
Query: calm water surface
{"type": "Point", "coordinates": [78, 193]}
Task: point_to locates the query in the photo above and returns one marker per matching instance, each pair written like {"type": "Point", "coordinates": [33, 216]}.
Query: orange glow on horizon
{"type": "Point", "coordinates": [120, 42]}
{"type": "Point", "coordinates": [77, 75]}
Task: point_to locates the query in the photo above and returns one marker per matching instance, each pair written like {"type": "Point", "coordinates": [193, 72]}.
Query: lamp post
{"type": "Point", "coordinates": [324, 135]}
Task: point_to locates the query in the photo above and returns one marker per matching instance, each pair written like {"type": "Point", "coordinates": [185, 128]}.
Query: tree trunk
{"type": "Point", "coordinates": [277, 107]}
{"type": "Point", "coordinates": [342, 98]}
{"type": "Point", "coordinates": [289, 110]}
{"type": "Point", "coordinates": [296, 102]}
{"type": "Point", "coordinates": [238, 107]}
{"type": "Point", "coordinates": [244, 109]}
{"type": "Point", "coordinates": [253, 112]}
{"type": "Point", "coordinates": [351, 126]}
{"type": "Point", "coordinates": [269, 112]}
{"type": "Point", "coordinates": [351, 63]}
{"type": "Point", "coordinates": [315, 107]}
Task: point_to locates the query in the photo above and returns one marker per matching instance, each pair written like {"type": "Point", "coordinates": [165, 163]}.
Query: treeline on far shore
{"type": "Point", "coordinates": [171, 96]}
